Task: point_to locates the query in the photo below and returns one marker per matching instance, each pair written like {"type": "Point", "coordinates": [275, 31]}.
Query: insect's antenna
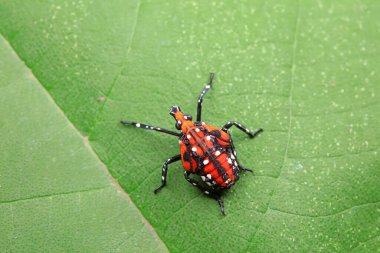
{"type": "Point", "coordinates": [200, 99]}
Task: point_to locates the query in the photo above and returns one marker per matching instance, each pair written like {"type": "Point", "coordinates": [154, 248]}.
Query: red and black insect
{"type": "Point", "coordinates": [205, 150]}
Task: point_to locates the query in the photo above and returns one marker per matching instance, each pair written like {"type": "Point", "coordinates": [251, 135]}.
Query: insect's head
{"type": "Point", "coordinates": [180, 118]}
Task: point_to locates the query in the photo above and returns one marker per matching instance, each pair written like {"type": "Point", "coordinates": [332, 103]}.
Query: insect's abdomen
{"type": "Point", "coordinates": [206, 151]}
{"type": "Point", "coordinates": [222, 170]}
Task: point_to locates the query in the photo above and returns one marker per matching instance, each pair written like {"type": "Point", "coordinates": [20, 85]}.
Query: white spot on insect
{"type": "Point", "coordinates": [194, 184]}
{"type": "Point", "coordinates": [205, 162]}
{"type": "Point", "coordinates": [194, 149]}
{"type": "Point", "coordinates": [163, 178]}
{"type": "Point", "coordinates": [203, 178]}
{"type": "Point", "coordinates": [207, 192]}
{"type": "Point", "coordinates": [208, 138]}
{"type": "Point", "coordinates": [232, 156]}
{"type": "Point", "coordinates": [137, 124]}
{"type": "Point", "coordinates": [188, 136]}
{"type": "Point", "coordinates": [229, 160]}
{"type": "Point", "coordinates": [217, 153]}
{"type": "Point", "coordinates": [235, 163]}
{"type": "Point", "coordinates": [146, 127]}
{"type": "Point", "coordinates": [185, 117]}
{"type": "Point", "coordinates": [197, 130]}
{"type": "Point", "coordinates": [179, 122]}
{"type": "Point", "coordinates": [234, 152]}
{"type": "Point", "coordinates": [209, 176]}
{"type": "Point", "coordinates": [208, 86]}
{"type": "Point", "coordinates": [203, 123]}
{"type": "Point", "coordinates": [199, 101]}
{"type": "Point", "coordinates": [247, 130]}
{"type": "Point", "coordinates": [208, 183]}
{"type": "Point", "coordinates": [158, 128]}
{"type": "Point", "coordinates": [179, 141]}
{"type": "Point", "coordinates": [152, 128]}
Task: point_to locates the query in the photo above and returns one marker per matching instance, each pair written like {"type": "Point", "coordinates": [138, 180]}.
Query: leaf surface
{"type": "Point", "coordinates": [306, 72]}
{"type": "Point", "coordinates": [54, 195]}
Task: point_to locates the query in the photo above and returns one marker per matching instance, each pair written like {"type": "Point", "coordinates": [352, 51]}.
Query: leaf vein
{"type": "Point", "coordinates": [54, 195]}
{"type": "Point", "coordinates": [115, 80]}
{"type": "Point", "coordinates": [364, 242]}
{"type": "Point", "coordinates": [293, 71]}
{"type": "Point", "coordinates": [326, 215]}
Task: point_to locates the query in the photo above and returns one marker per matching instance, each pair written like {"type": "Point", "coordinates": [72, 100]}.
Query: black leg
{"type": "Point", "coordinates": [146, 127]}
{"type": "Point", "coordinates": [200, 99]}
{"type": "Point", "coordinates": [241, 167]}
{"type": "Point", "coordinates": [165, 171]}
{"type": "Point", "coordinates": [206, 191]}
{"type": "Point", "coordinates": [242, 128]}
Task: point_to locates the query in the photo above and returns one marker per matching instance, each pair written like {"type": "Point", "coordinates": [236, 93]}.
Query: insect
{"type": "Point", "coordinates": [205, 150]}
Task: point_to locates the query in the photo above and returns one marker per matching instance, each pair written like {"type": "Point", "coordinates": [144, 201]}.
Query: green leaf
{"type": "Point", "coordinates": [54, 195]}
{"type": "Point", "coordinates": [306, 72]}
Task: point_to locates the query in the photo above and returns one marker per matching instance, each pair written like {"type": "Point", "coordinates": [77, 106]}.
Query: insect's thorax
{"type": "Point", "coordinates": [207, 151]}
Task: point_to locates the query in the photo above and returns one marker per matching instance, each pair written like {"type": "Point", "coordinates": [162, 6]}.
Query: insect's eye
{"type": "Point", "coordinates": [178, 125]}
{"type": "Point", "coordinates": [188, 117]}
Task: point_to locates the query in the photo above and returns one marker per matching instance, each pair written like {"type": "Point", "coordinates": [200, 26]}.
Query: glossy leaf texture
{"type": "Point", "coordinates": [306, 72]}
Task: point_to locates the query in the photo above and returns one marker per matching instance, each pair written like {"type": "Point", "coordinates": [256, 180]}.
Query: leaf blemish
{"type": "Point", "coordinates": [101, 99]}
{"type": "Point", "coordinates": [298, 165]}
